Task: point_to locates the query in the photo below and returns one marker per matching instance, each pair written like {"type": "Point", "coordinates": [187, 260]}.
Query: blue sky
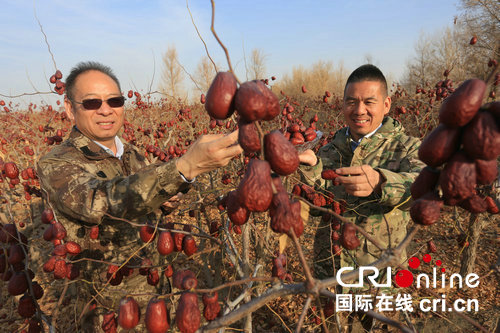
{"type": "Point", "coordinates": [130, 36]}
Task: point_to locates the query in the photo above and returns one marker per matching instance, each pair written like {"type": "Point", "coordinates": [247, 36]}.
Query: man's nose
{"type": "Point", "coordinates": [360, 108]}
{"type": "Point", "coordinates": [105, 109]}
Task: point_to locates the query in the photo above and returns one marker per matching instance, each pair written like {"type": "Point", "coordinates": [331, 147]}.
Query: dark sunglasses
{"type": "Point", "coordinates": [96, 103]}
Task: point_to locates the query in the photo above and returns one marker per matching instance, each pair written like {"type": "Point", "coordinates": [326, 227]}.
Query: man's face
{"type": "Point", "coordinates": [102, 124]}
{"type": "Point", "coordinates": [365, 106]}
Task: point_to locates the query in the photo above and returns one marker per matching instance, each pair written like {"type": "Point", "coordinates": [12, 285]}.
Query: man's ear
{"type": "Point", "coordinates": [387, 105]}
{"type": "Point", "coordinates": [68, 109]}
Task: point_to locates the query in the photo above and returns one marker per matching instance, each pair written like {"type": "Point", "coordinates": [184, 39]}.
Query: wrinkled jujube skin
{"type": "Point", "coordinates": [10, 170]}
{"type": "Point", "coordinates": [486, 171]}
{"type": "Point", "coordinates": [426, 209]}
{"type": "Point", "coordinates": [189, 282]}
{"type": "Point", "coordinates": [285, 215]}
{"type": "Point", "coordinates": [278, 269]}
{"type": "Point", "coordinates": [278, 185]}
{"type": "Point", "coordinates": [189, 245]}
{"type": "Point", "coordinates": [431, 247]}
{"type": "Point", "coordinates": [153, 277]}
{"type": "Point", "coordinates": [188, 314]}
{"type": "Point", "coordinates": [212, 307]}
{"type": "Point", "coordinates": [474, 204]}
{"type": "Point", "coordinates": [60, 250]}
{"type": "Point", "coordinates": [250, 102]}
{"type": "Point", "coordinates": [180, 275]}
{"type": "Point", "coordinates": [72, 247]}
{"type": "Point", "coordinates": [308, 192]}
{"type": "Point", "coordinates": [237, 214]}
{"type": "Point", "coordinates": [219, 101]}
{"type": "Point", "coordinates": [157, 319]}
{"type": "Point", "coordinates": [58, 231]}
{"type": "Point", "coordinates": [248, 137]}
{"type": "Point", "coordinates": [128, 313]}
{"type": "Point", "coordinates": [255, 191]}
{"type": "Point", "coordinates": [297, 190]}
{"type": "Point", "coordinates": [147, 233]}
{"type": "Point", "coordinates": [336, 249]}
{"type": "Point", "coordinates": [348, 238]}
{"type": "Point", "coordinates": [280, 153]}
{"type": "Point", "coordinates": [94, 232]}
{"type": "Point", "coordinates": [494, 109]}
{"type": "Point", "coordinates": [47, 216]}
{"type": "Point", "coordinates": [109, 322]}
{"type": "Point", "coordinates": [272, 101]}
{"type": "Point", "coordinates": [458, 179]}
{"type": "Point", "coordinates": [60, 269]}
{"type": "Point", "coordinates": [254, 101]}
{"type": "Point", "coordinates": [426, 181]}
{"type": "Point", "coordinates": [491, 205]}
{"type": "Point", "coordinates": [439, 145]}
{"type": "Point", "coordinates": [461, 106]}
{"type": "Point", "coordinates": [298, 224]}
{"type": "Point", "coordinates": [328, 174]}
{"type": "Point", "coordinates": [481, 137]}
{"type": "Point", "coordinates": [49, 265]}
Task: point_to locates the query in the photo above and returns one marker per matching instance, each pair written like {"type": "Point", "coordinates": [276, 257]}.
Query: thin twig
{"type": "Point", "coordinates": [261, 138]}
{"type": "Point", "coordinates": [28, 94]}
{"type": "Point", "coordinates": [303, 314]}
{"type": "Point", "coordinates": [44, 35]}
{"type": "Point", "coordinates": [199, 35]}
{"type": "Point", "coordinates": [212, 28]}
{"type": "Point", "coordinates": [387, 258]}
{"type": "Point", "coordinates": [58, 306]}
{"type": "Point", "coordinates": [344, 220]}
{"type": "Point", "coordinates": [309, 278]}
{"type": "Point", "coordinates": [281, 319]}
{"type": "Point", "coordinates": [154, 70]}
{"type": "Point", "coordinates": [322, 315]}
{"type": "Point", "coordinates": [190, 76]}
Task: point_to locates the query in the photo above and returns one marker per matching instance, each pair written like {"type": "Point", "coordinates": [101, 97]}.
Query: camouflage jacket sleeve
{"type": "Point", "coordinates": [396, 185]}
{"type": "Point", "coordinates": [311, 175]}
{"type": "Point", "coordinates": [87, 189]}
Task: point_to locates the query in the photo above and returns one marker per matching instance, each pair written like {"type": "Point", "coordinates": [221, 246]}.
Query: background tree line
{"type": "Point", "coordinates": [447, 49]}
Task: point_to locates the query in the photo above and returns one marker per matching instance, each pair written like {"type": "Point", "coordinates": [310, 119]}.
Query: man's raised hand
{"type": "Point", "coordinates": [207, 153]}
{"type": "Point", "coordinates": [360, 181]}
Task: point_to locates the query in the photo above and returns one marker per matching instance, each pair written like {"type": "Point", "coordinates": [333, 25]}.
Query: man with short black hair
{"type": "Point", "coordinates": [93, 179]}
{"type": "Point", "coordinates": [377, 163]}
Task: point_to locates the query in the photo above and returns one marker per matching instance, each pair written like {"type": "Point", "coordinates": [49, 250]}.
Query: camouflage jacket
{"type": "Point", "coordinates": [394, 155]}
{"type": "Point", "coordinates": [87, 186]}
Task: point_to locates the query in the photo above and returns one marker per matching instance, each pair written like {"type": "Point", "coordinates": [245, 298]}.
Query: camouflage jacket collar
{"type": "Point", "coordinates": [390, 128]}
{"type": "Point", "coordinates": [89, 148]}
